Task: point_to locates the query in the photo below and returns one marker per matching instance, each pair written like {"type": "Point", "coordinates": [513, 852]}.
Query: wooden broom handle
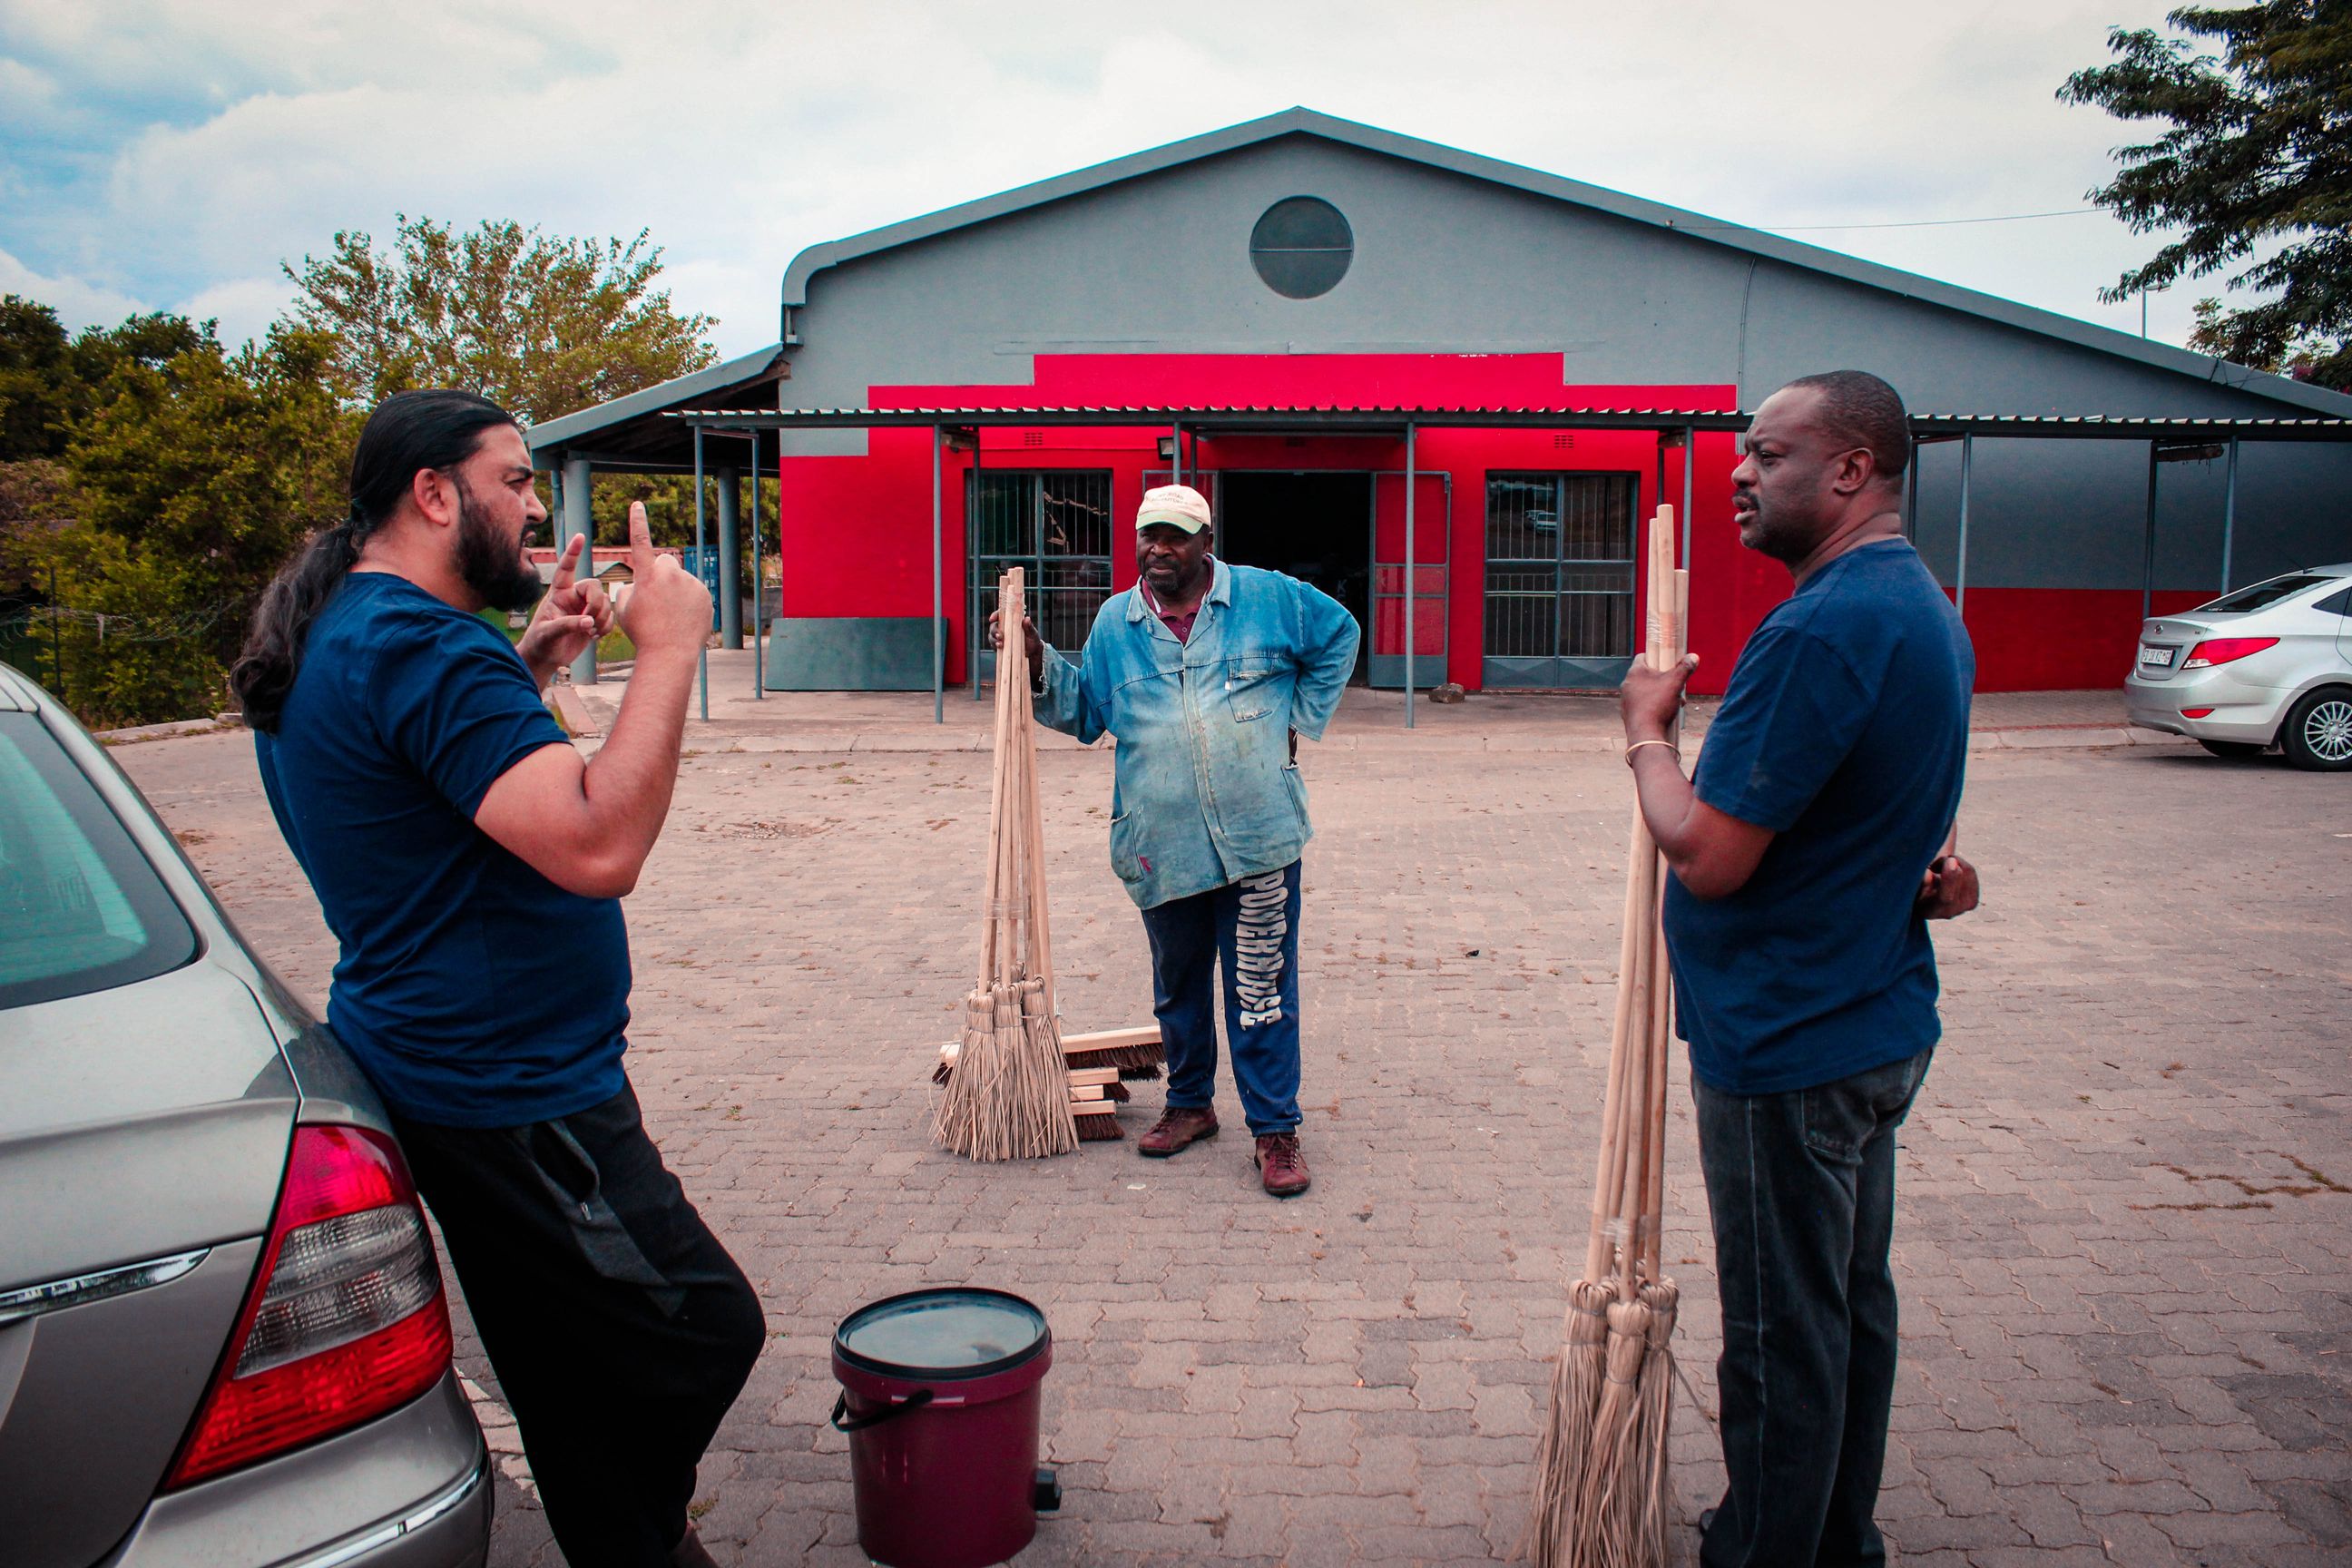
{"type": "Point", "coordinates": [1610, 1169]}
{"type": "Point", "coordinates": [991, 892]}
{"type": "Point", "coordinates": [1673, 628]}
{"type": "Point", "coordinates": [1011, 677]}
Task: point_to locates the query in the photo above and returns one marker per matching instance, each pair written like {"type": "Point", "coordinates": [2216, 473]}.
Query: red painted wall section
{"type": "Point", "coordinates": [2060, 640]}
{"type": "Point", "coordinates": [856, 530]}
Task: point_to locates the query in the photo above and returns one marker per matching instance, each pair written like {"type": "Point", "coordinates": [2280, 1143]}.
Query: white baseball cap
{"type": "Point", "coordinates": [1178, 506]}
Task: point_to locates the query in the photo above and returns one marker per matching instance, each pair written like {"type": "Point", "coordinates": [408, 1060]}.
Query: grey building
{"type": "Point", "coordinates": [1252, 284]}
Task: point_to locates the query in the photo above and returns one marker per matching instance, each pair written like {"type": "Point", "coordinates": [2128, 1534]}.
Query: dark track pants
{"type": "Point", "coordinates": [1800, 1187]}
{"type": "Point", "coordinates": [619, 1328]}
{"type": "Point", "coordinates": [1250, 930]}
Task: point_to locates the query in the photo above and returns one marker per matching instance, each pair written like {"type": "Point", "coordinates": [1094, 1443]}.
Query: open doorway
{"type": "Point", "coordinates": [1314, 527]}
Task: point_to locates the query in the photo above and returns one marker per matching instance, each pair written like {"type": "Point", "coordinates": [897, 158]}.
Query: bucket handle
{"type": "Point", "coordinates": [844, 1422]}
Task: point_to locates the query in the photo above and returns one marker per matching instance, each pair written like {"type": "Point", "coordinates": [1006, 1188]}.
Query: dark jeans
{"type": "Point", "coordinates": [1801, 1188]}
{"type": "Point", "coordinates": [1251, 929]}
{"type": "Point", "coordinates": [619, 1328]}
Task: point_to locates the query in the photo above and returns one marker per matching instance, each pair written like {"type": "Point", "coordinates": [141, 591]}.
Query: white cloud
{"type": "Point", "coordinates": [739, 134]}
{"type": "Point", "coordinates": [77, 305]}
{"type": "Point", "coordinates": [243, 306]}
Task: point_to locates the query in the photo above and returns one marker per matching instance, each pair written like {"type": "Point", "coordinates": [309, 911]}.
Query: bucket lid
{"type": "Point", "coordinates": [947, 1331]}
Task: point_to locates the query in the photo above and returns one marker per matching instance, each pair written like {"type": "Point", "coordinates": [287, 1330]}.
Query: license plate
{"type": "Point", "coordinates": [2161, 658]}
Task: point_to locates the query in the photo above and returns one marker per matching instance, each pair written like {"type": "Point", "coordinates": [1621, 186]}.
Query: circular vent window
{"type": "Point", "coordinates": [1301, 247]}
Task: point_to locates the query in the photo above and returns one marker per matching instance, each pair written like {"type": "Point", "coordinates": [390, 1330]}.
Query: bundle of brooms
{"type": "Point", "coordinates": [1101, 1065]}
{"type": "Point", "coordinates": [1014, 1086]}
{"type": "Point", "coordinates": [1601, 1489]}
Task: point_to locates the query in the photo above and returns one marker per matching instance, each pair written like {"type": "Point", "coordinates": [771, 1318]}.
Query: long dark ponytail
{"type": "Point", "coordinates": [408, 432]}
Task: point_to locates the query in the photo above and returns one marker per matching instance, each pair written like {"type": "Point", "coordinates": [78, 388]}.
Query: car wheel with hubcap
{"type": "Point", "coordinates": [2236, 751]}
{"type": "Point", "coordinates": [2318, 732]}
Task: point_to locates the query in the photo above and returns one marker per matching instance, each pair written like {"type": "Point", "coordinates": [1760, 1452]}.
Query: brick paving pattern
{"type": "Point", "coordinates": [2126, 1233]}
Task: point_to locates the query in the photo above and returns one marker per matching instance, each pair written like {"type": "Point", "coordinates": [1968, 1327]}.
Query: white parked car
{"type": "Point", "coordinates": [2270, 665]}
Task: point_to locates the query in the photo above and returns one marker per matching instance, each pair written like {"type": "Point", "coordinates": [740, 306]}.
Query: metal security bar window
{"type": "Point", "coordinates": [1056, 524]}
{"type": "Point", "coordinates": [1559, 578]}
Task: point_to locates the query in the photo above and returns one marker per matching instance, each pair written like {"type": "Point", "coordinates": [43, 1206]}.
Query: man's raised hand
{"type": "Point", "coordinates": [1649, 699]}
{"type": "Point", "coordinates": [666, 608]}
{"type": "Point", "coordinates": [571, 616]}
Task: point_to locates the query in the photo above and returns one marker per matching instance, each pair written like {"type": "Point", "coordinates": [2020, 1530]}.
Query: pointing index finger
{"type": "Point", "coordinates": [641, 542]}
{"type": "Point", "coordinates": [567, 565]}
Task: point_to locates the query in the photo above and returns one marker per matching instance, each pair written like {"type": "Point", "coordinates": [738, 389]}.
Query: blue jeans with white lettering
{"type": "Point", "coordinates": [1800, 1188]}
{"type": "Point", "coordinates": [1250, 930]}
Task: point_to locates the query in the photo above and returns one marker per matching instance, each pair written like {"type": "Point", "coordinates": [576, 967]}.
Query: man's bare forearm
{"type": "Point", "coordinates": [632, 777]}
{"type": "Point", "coordinates": [1665, 797]}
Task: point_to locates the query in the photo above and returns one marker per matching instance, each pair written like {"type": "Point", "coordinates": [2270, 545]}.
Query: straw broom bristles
{"type": "Point", "coordinates": [1657, 1402]}
{"type": "Point", "coordinates": [1609, 1505]}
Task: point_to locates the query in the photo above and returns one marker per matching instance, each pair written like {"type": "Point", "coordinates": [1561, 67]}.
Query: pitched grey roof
{"type": "Point", "coordinates": [1702, 230]}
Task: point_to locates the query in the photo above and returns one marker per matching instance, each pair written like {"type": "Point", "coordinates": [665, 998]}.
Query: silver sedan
{"type": "Point", "coordinates": [2267, 664]}
{"type": "Point", "coordinates": [223, 1335]}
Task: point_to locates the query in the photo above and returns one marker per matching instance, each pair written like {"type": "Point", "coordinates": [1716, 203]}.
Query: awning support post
{"type": "Point", "coordinates": [700, 542]}
{"type": "Point", "coordinates": [760, 574]}
{"type": "Point", "coordinates": [939, 637]}
{"type": "Point", "coordinates": [578, 477]}
{"type": "Point", "coordinates": [1961, 581]}
{"type": "Point", "coordinates": [731, 553]}
{"type": "Point", "coordinates": [1690, 463]}
{"type": "Point", "coordinates": [2148, 542]}
{"type": "Point", "coordinates": [1911, 495]}
{"type": "Point", "coordinates": [975, 508]}
{"type": "Point", "coordinates": [1410, 584]}
{"type": "Point", "coordinates": [2229, 514]}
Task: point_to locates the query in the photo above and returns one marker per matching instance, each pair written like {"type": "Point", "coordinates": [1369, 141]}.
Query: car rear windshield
{"type": "Point", "coordinates": [80, 909]}
{"type": "Point", "coordinates": [2264, 593]}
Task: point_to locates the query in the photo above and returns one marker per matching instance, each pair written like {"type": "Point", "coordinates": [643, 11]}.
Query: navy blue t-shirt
{"type": "Point", "coordinates": [473, 991]}
{"type": "Point", "coordinates": [1845, 732]}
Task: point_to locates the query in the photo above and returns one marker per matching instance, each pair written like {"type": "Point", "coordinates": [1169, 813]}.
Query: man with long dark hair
{"type": "Point", "coordinates": [1809, 851]}
{"type": "Point", "coordinates": [471, 867]}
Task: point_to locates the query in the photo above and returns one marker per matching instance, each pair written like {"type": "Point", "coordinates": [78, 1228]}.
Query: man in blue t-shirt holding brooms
{"type": "Point", "coordinates": [1808, 853]}
{"type": "Point", "coordinates": [471, 867]}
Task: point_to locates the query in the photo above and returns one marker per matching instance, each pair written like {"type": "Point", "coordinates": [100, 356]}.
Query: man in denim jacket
{"type": "Point", "coordinates": [1208, 674]}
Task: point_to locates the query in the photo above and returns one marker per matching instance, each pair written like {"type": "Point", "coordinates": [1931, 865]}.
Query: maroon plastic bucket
{"type": "Point", "coordinates": [940, 1395]}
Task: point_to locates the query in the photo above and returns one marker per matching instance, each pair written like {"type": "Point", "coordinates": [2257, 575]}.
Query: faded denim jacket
{"type": "Point", "coordinates": [1207, 793]}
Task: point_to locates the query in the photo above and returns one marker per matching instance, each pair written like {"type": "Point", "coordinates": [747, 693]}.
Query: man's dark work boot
{"type": "Point", "coordinates": [1179, 1128]}
{"type": "Point", "coordinates": [1281, 1165]}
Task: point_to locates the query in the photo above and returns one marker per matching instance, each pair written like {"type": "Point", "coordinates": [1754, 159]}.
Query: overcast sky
{"type": "Point", "coordinates": [169, 154]}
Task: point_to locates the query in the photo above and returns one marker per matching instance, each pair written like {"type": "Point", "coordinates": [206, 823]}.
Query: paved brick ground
{"type": "Point", "coordinates": [2125, 1238]}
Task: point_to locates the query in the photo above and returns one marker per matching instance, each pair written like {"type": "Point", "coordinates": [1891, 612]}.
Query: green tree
{"type": "Point", "coordinates": [37, 380]}
{"type": "Point", "coordinates": [191, 482]}
{"type": "Point", "coordinates": [48, 382]}
{"type": "Point", "coordinates": [541, 325]}
{"type": "Point", "coordinates": [2255, 172]}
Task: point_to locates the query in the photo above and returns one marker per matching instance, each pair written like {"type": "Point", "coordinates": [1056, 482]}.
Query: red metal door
{"type": "Point", "coordinates": [1433, 519]}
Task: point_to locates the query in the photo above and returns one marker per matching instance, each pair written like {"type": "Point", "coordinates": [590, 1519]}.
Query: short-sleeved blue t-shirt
{"type": "Point", "coordinates": [473, 991]}
{"type": "Point", "coordinates": [1845, 731]}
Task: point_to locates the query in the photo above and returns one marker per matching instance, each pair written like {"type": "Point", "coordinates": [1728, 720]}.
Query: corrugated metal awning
{"type": "Point", "coordinates": [1362, 419]}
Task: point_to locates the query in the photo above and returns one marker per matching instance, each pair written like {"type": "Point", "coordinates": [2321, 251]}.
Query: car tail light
{"type": "Point", "coordinates": [2195, 713]}
{"type": "Point", "coordinates": [346, 1318]}
{"type": "Point", "coordinates": [2223, 650]}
